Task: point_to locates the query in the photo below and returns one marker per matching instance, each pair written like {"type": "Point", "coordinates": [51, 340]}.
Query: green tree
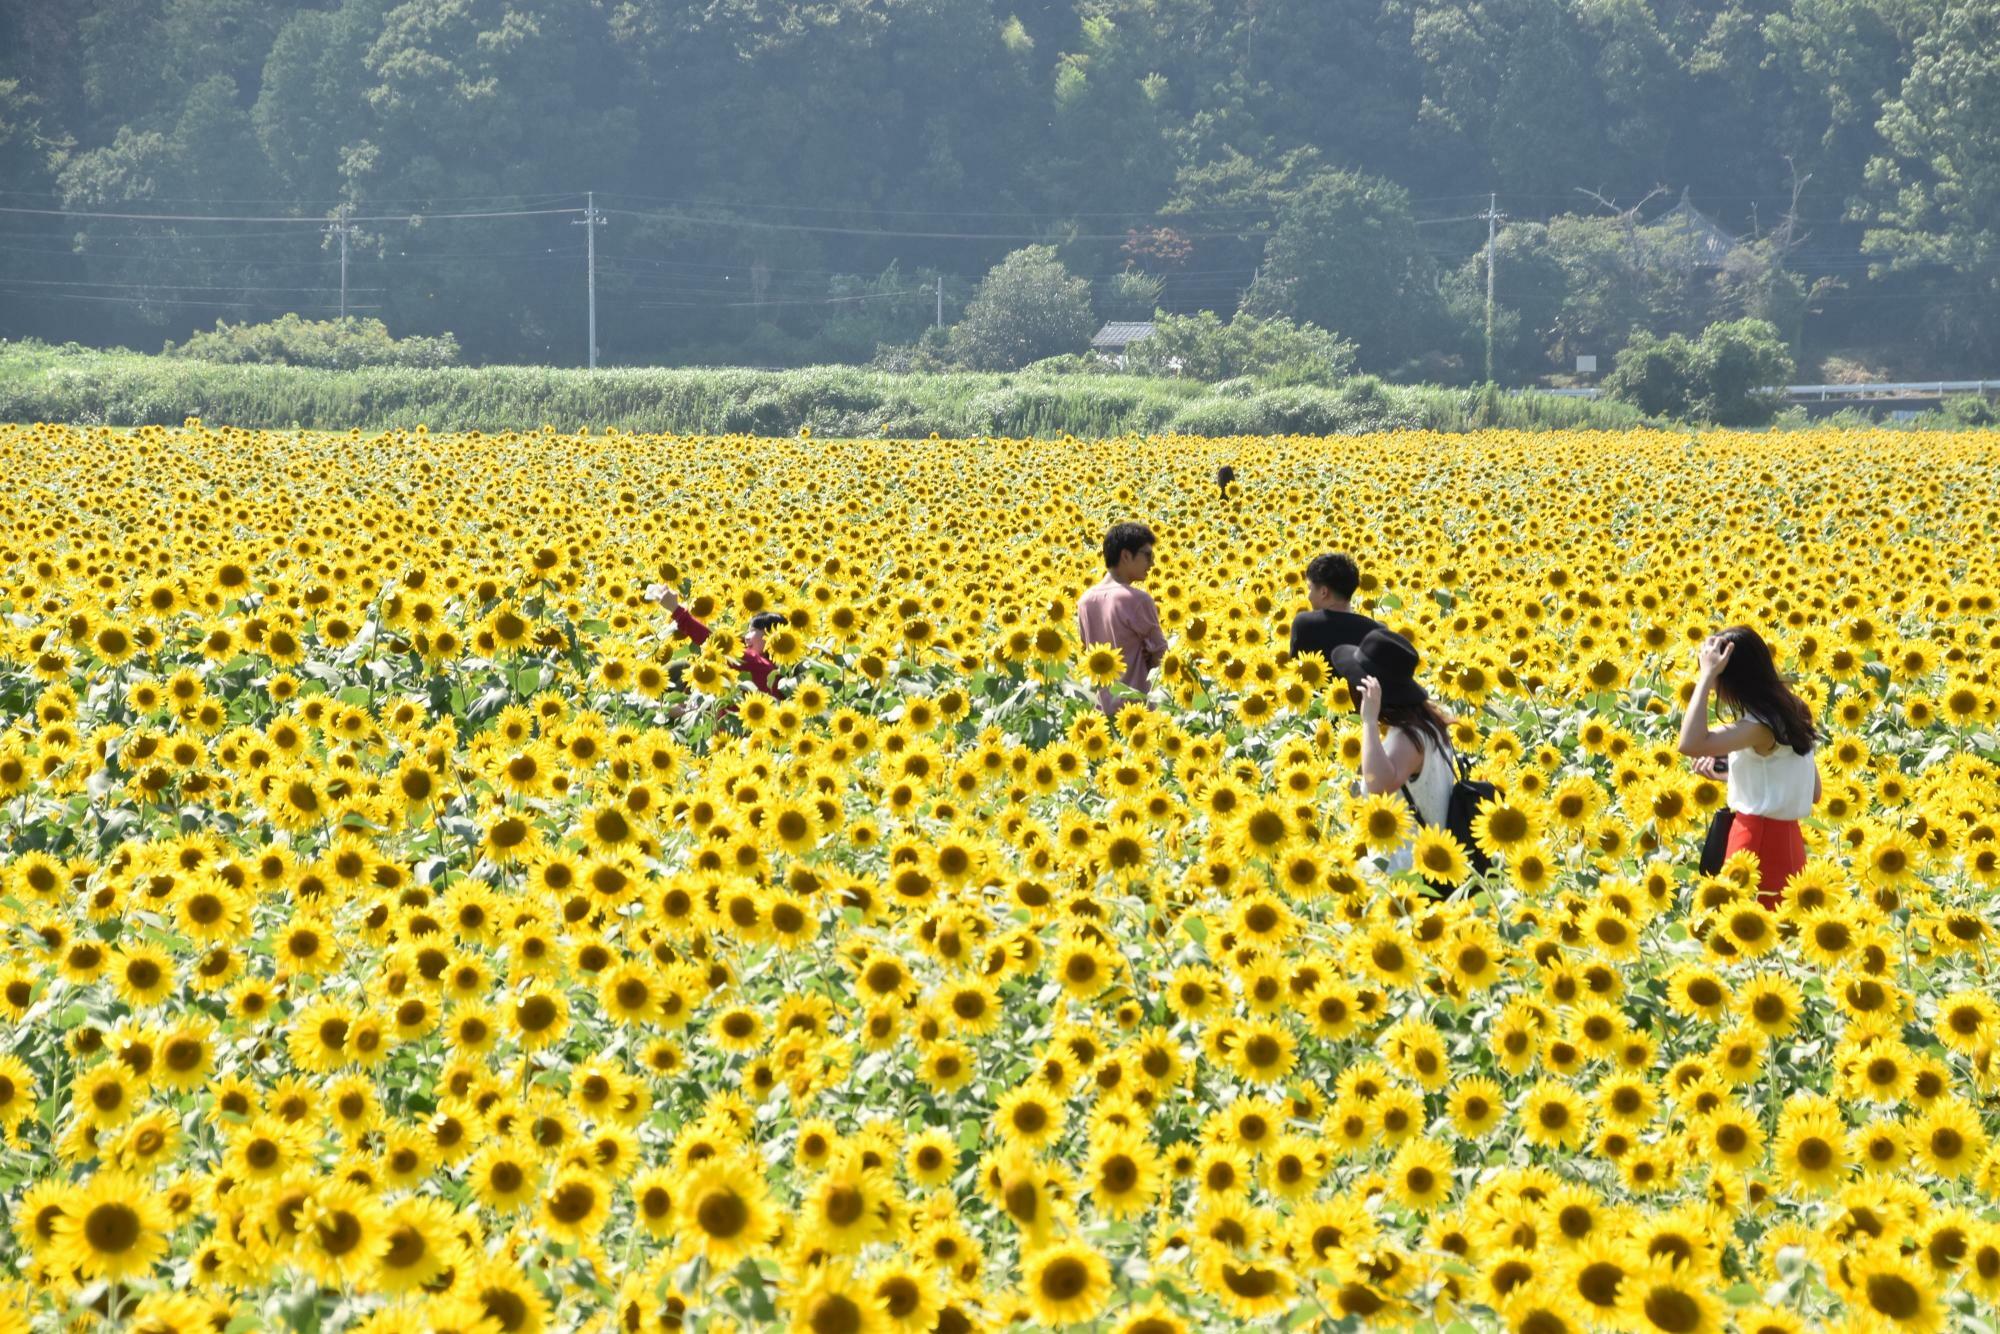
{"type": "Point", "coordinates": [1026, 308]}
{"type": "Point", "coordinates": [309, 106]}
{"type": "Point", "coordinates": [1531, 285]}
{"type": "Point", "coordinates": [1346, 255]}
{"type": "Point", "coordinates": [1936, 190]}
{"type": "Point", "coordinates": [1543, 136]}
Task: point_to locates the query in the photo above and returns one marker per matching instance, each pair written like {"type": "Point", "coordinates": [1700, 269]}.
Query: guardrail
{"type": "Point", "coordinates": [1901, 389]}
{"type": "Point", "coordinates": [1827, 392]}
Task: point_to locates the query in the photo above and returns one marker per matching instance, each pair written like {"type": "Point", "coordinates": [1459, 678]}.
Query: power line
{"type": "Point", "coordinates": [827, 230]}
{"type": "Point", "coordinates": [160, 301]}
{"type": "Point", "coordinates": [523, 198]}
{"type": "Point", "coordinates": [313, 222]}
{"type": "Point", "coordinates": [1154, 211]}
{"type": "Point", "coordinates": [178, 287]}
{"type": "Point", "coordinates": [821, 301]}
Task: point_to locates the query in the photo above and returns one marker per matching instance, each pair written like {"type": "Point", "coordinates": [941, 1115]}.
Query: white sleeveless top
{"type": "Point", "coordinates": [1432, 785]}
{"type": "Point", "coordinates": [1431, 789]}
{"type": "Point", "coordinates": [1778, 786]}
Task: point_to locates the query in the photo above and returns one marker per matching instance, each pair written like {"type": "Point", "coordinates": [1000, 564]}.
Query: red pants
{"type": "Point", "coordinates": [1780, 849]}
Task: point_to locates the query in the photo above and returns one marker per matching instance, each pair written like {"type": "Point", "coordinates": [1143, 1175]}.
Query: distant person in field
{"type": "Point", "coordinates": [1116, 611]}
{"type": "Point", "coordinates": [1766, 752]}
{"type": "Point", "coordinates": [1223, 477]}
{"type": "Point", "coordinates": [1332, 622]}
{"type": "Point", "coordinates": [760, 669]}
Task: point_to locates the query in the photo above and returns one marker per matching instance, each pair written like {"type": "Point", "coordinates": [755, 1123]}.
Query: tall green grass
{"type": "Point", "coordinates": [40, 383]}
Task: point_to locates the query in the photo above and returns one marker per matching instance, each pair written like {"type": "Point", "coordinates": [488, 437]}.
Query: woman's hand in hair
{"type": "Point", "coordinates": [1371, 700]}
{"type": "Point", "coordinates": [1714, 655]}
{"type": "Point", "coordinates": [664, 594]}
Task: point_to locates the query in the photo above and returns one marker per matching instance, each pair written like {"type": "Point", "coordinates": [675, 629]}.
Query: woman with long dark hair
{"type": "Point", "coordinates": [1405, 736]}
{"type": "Point", "coordinates": [1769, 751]}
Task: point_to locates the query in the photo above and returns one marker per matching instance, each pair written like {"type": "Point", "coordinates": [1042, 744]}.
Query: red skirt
{"type": "Point", "coordinates": [1780, 849]}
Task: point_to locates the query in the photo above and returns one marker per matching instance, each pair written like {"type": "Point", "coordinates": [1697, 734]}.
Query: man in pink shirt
{"type": "Point", "coordinates": [1117, 612]}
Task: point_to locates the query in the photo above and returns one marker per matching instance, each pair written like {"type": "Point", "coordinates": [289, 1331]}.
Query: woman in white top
{"type": "Point", "coordinates": [1405, 736]}
{"type": "Point", "coordinates": [1773, 771]}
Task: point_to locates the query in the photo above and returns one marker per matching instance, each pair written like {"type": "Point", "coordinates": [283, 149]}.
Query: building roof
{"type": "Point", "coordinates": [1692, 234]}
{"type": "Point", "coordinates": [1119, 333]}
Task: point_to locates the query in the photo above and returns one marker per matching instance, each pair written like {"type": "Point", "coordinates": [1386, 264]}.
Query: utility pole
{"type": "Point", "coordinates": [940, 301]}
{"type": "Point", "coordinates": [590, 221]}
{"type": "Point", "coordinates": [341, 228]}
{"type": "Point", "coordinates": [1493, 216]}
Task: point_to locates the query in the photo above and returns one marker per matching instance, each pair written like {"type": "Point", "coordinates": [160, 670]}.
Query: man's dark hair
{"type": "Point", "coordinates": [1336, 572]}
{"type": "Point", "coordinates": [1124, 537]}
{"type": "Point", "coordinates": [766, 621]}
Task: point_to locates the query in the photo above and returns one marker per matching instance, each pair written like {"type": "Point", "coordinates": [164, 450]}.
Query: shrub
{"type": "Point", "coordinates": [73, 385]}
{"type": "Point", "coordinates": [1734, 363]}
{"type": "Point", "coordinates": [1217, 417]}
{"type": "Point", "coordinates": [1027, 307]}
{"type": "Point", "coordinates": [1654, 375]}
{"type": "Point", "coordinates": [1716, 379]}
{"type": "Point", "coordinates": [344, 344]}
{"type": "Point", "coordinates": [930, 354]}
{"type": "Point", "coordinates": [1277, 351]}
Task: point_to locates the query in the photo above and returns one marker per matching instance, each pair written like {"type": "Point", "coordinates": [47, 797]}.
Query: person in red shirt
{"type": "Point", "coordinates": [760, 669]}
{"type": "Point", "coordinates": [1116, 611]}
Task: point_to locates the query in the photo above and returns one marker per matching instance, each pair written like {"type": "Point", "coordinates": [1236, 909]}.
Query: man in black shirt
{"type": "Point", "coordinates": [1330, 583]}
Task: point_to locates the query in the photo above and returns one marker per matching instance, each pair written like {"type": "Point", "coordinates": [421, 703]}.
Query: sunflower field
{"type": "Point", "coordinates": [403, 928]}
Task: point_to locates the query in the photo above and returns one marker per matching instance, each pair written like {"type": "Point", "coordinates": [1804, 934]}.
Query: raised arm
{"type": "Point", "coordinates": [1697, 737]}
{"type": "Point", "coordinates": [1385, 766]}
{"type": "Point", "coordinates": [684, 620]}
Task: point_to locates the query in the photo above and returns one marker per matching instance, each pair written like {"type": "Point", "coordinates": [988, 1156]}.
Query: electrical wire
{"type": "Point", "coordinates": [312, 222]}
{"type": "Point", "coordinates": [822, 301]}
{"type": "Point", "coordinates": [167, 301]}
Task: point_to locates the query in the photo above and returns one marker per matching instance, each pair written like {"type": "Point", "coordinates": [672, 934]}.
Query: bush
{"type": "Point", "coordinates": [342, 345]}
{"type": "Point", "coordinates": [1968, 410]}
{"type": "Point", "coordinates": [1217, 417]}
{"type": "Point", "coordinates": [1362, 404]}
{"type": "Point", "coordinates": [1654, 375]}
{"type": "Point", "coordinates": [1734, 363]}
{"type": "Point", "coordinates": [1027, 307]}
{"type": "Point", "coordinates": [930, 355]}
{"type": "Point", "coordinates": [1069, 363]}
{"type": "Point", "coordinates": [39, 383]}
{"type": "Point", "coordinates": [1718, 378]}
{"type": "Point", "coordinates": [1277, 351]}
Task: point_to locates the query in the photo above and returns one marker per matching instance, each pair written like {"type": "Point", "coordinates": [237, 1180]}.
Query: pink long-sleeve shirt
{"type": "Point", "coordinates": [1125, 617]}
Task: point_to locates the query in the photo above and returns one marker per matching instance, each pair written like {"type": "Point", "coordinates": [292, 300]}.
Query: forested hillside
{"type": "Point", "coordinates": [787, 182]}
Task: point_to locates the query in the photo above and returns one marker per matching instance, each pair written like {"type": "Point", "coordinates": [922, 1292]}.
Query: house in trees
{"type": "Point", "coordinates": [1112, 341]}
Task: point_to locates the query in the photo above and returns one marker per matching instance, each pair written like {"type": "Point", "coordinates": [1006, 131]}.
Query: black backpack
{"type": "Point", "coordinates": [1467, 793]}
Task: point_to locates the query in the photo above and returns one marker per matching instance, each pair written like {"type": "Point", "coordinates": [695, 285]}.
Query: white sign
{"type": "Point", "coordinates": [1586, 365]}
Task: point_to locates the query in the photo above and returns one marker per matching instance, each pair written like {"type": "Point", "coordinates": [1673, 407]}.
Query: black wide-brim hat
{"type": "Point", "coordinates": [1389, 658]}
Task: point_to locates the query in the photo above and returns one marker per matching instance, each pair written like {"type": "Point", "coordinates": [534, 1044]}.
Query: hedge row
{"type": "Point", "coordinates": [39, 383]}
